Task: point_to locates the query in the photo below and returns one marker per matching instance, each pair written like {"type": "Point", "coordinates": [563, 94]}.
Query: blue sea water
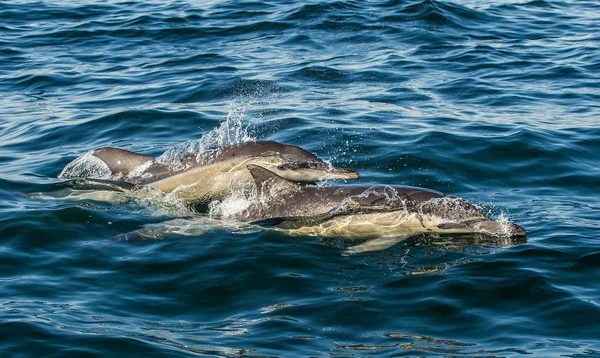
{"type": "Point", "coordinates": [494, 101]}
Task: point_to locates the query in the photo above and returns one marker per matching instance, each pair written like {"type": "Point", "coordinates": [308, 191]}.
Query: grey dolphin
{"type": "Point", "coordinates": [288, 161]}
{"type": "Point", "coordinates": [386, 214]}
{"type": "Point", "coordinates": [209, 177]}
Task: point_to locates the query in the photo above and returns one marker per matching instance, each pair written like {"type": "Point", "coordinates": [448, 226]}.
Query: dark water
{"type": "Point", "coordinates": [495, 103]}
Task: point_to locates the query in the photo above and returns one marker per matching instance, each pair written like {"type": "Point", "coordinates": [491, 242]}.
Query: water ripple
{"type": "Point", "coordinates": [496, 102]}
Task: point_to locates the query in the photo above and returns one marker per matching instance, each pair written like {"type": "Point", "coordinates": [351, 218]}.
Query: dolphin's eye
{"type": "Point", "coordinates": [314, 164]}
{"type": "Point", "coordinates": [452, 225]}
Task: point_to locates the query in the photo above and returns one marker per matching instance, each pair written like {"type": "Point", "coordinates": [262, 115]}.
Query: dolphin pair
{"type": "Point", "coordinates": [384, 215]}
{"type": "Point", "coordinates": [211, 177]}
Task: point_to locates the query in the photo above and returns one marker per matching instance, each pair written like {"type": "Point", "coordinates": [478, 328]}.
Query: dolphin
{"type": "Point", "coordinates": [288, 161]}
{"type": "Point", "coordinates": [383, 214]}
{"type": "Point", "coordinates": [209, 177]}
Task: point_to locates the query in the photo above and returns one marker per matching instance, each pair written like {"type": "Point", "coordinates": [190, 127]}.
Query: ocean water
{"type": "Point", "coordinates": [497, 102]}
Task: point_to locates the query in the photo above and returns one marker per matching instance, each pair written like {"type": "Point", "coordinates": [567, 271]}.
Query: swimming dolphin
{"type": "Point", "coordinates": [208, 178]}
{"type": "Point", "coordinates": [386, 214]}
{"type": "Point", "coordinates": [289, 161]}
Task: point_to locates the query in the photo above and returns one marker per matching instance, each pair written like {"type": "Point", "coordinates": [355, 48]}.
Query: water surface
{"type": "Point", "coordinates": [494, 102]}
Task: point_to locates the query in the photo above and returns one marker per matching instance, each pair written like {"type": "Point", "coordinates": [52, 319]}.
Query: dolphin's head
{"type": "Point", "coordinates": [310, 170]}
{"type": "Point", "coordinates": [288, 161]}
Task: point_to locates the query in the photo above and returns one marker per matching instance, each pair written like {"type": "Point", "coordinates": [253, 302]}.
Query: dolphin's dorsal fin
{"type": "Point", "coordinates": [268, 182]}
{"type": "Point", "coordinates": [120, 160]}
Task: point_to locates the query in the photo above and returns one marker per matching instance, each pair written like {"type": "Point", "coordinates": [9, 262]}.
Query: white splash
{"type": "Point", "coordinates": [86, 166]}
{"type": "Point", "coordinates": [376, 190]}
{"type": "Point", "coordinates": [505, 224]}
{"type": "Point", "coordinates": [233, 130]}
{"type": "Point", "coordinates": [140, 171]}
{"type": "Point", "coordinates": [235, 204]}
{"type": "Point", "coordinates": [323, 181]}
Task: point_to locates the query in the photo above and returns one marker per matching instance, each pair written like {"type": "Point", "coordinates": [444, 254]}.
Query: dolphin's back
{"type": "Point", "coordinates": [120, 161]}
{"type": "Point", "coordinates": [326, 199]}
{"type": "Point", "coordinates": [256, 149]}
{"type": "Point", "coordinates": [287, 199]}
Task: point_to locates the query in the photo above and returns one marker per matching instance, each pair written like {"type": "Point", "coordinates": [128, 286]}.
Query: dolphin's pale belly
{"type": "Point", "coordinates": [220, 172]}
{"type": "Point", "coordinates": [215, 187]}
{"type": "Point", "coordinates": [192, 176]}
{"type": "Point", "coordinates": [399, 223]}
{"type": "Point", "coordinates": [363, 226]}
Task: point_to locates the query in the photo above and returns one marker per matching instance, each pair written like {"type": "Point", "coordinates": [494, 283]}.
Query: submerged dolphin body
{"type": "Point", "coordinates": [212, 177]}
{"type": "Point", "coordinates": [384, 214]}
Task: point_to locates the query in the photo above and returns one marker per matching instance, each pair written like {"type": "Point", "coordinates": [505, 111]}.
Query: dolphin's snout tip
{"type": "Point", "coordinates": [518, 230]}
{"type": "Point", "coordinates": [343, 173]}
{"type": "Point", "coordinates": [352, 174]}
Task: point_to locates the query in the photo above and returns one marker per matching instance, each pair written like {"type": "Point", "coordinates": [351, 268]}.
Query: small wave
{"type": "Point", "coordinates": [86, 166]}
{"type": "Point", "coordinates": [321, 73]}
